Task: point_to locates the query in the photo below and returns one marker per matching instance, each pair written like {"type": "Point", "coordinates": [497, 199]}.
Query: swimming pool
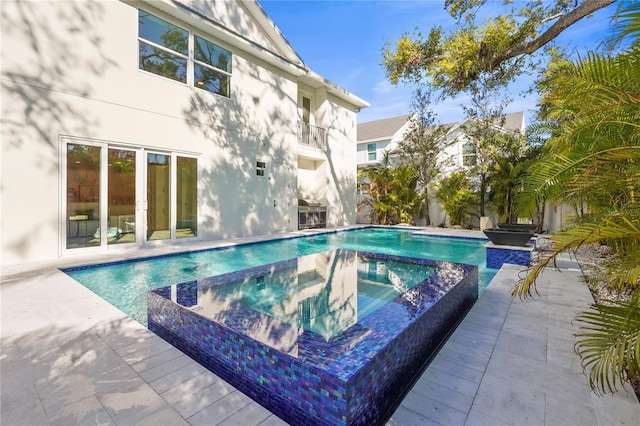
{"type": "Point", "coordinates": [125, 284]}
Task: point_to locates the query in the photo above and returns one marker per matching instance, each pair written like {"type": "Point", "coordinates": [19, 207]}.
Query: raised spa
{"type": "Point", "coordinates": [337, 337]}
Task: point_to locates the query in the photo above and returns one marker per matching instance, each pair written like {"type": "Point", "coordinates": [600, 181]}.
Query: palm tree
{"type": "Point", "coordinates": [407, 199]}
{"type": "Point", "coordinates": [593, 159]}
{"type": "Point", "coordinates": [505, 175]}
{"type": "Point", "coordinates": [454, 192]}
{"type": "Point", "coordinates": [393, 195]}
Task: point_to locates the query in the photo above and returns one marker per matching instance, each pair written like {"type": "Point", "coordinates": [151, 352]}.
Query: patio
{"type": "Point", "coordinates": [68, 357]}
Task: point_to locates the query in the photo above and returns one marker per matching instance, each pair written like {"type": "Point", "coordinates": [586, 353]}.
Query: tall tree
{"type": "Point", "coordinates": [505, 176]}
{"type": "Point", "coordinates": [423, 145]}
{"type": "Point", "coordinates": [505, 46]}
{"type": "Point", "coordinates": [486, 138]}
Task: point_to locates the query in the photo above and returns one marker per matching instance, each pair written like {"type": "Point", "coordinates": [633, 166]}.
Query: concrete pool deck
{"type": "Point", "coordinates": [68, 357]}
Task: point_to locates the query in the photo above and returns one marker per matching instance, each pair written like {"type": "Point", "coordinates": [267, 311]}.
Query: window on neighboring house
{"type": "Point", "coordinates": [363, 188]}
{"type": "Point", "coordinates": [261, 168]}
{"type": "Point", "coordinates": [164, 50]}
{"type": "Point", "coordinates": [371, 152]}
{"type": "Point", "coordinates": [468, 155]}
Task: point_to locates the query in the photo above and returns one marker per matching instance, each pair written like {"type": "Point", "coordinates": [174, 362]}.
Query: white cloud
{"type": "Point", "coordinates": [382, 87]}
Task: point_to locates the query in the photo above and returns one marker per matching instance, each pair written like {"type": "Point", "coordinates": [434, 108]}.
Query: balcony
{"type": "Point", "coordinates": [311, 136]}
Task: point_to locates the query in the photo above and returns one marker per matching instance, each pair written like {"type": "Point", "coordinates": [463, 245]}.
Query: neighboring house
{"type": "Point", "coordinates": [132, 123]}
{"type": "Point", "coordinates": [377, 137]}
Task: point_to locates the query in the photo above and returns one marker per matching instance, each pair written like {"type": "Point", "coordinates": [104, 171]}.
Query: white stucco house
{"type": "Point", "coordinates": [133, 123]}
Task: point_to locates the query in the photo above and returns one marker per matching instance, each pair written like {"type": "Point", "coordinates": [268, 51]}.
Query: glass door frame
{"type": "Point", "coordinates": [64, 216]}
{"type": "Point", "coordinates": [141, 202]}
{"type": "Point", "coordinates": [173, 196]}
{"type": "Point", "coordinates": [145, 199]}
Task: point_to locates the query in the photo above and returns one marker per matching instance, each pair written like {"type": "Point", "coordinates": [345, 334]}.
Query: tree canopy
{"type": "Point", "coordinates": [502, 46]}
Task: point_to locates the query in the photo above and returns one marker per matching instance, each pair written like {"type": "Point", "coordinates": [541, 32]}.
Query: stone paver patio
{"type": "Point", "coordinates": [70, 358]}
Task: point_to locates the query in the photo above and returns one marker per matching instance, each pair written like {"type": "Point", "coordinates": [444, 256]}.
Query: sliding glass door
{"type": "Point", "coordinates": [186, 197]}
{"type": "Point", "coordinates": [112, 200]}
{"type": "Point", "coordinates": [171, 206]}
{"type": "Point", "coordinates": [158, 196]}
{"type": "Point", "coordinates": [83, 201]}
{"type": "Point", "coordinates": [121, 199]}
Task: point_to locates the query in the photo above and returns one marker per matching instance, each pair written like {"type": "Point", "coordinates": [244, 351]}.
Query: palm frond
{"type": "Point", "coordinates": [614, 229]}
{"type": "Point", "coordinates": [609, 344]}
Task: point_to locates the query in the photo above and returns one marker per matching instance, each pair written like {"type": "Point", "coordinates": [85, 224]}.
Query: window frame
{"type": "Point", "coordinates": [370, 151]}
{"type": "Point", "coordinates": [192, 63]}
{"type": "Point", "coordinates": [197, 62]}
{"type": "Point", "coordinates": [469, 152]}
{"type": "Point", "coordinates": [261, 166]}
{"type": "Point", "coordinates": [141, 152]}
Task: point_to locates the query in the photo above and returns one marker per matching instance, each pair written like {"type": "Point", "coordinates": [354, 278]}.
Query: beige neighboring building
{"type": "Point", "coordinates": [132, 123]}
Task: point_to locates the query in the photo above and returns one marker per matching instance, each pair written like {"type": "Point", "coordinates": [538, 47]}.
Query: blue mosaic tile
{"type": "Point", "coordinates": [496, 257]}
{"type": "Point", "coordinates": [355, 377]}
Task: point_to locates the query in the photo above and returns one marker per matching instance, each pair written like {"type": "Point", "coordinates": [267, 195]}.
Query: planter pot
{"type": "Point", "coordinates": [505, 237]}
{"type": "Point", "coordinates": [518, 227]}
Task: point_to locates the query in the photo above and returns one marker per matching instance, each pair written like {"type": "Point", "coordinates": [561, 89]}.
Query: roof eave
{"type": "Point", "coordinates": [289, 61]}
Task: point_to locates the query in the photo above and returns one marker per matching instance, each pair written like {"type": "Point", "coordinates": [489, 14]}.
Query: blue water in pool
{"type": "Point", "coordinates": [125, 285]}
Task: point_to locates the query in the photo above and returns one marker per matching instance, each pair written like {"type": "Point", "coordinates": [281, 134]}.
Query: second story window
{"type": "Point", "coordinates": [212, 67]}
{"type": "Point", "coordinates": [468, 155]}
{"type": "Point", "coordinates": [371, 152]}
{"type": "Point", "coordinates": [163, 49]}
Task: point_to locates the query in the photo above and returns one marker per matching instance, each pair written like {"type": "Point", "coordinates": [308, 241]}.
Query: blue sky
{"type": "Point", "coordinates": [343, 41]}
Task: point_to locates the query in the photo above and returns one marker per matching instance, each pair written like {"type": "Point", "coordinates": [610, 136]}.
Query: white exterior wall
{"type": "Point", "coordinates": [72, 70]}
{"type": "Point", "coordinates": [330, 177]}
{"type": "Point", "coordinates": [363, 154]}
{"type": "Point", "coordinates": [340, 171]}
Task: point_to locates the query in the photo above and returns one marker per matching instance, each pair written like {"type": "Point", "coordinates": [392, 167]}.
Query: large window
{"type": "Point", "coordinates": [212, 67]}
{"type": "Point", "coordinates": [158, 196]}
{"type": "Point", "coordinates": [163, 47]}
{"type": "Point", "coordinates": [164, 50]}
{"type": "Point", "coordinates": [186, 197]}
{"type": "Point", "coordinates": [121, 201]}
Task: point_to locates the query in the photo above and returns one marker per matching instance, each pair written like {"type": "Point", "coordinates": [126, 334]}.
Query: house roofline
{"type": "Point", "coordinates": [292, 63]}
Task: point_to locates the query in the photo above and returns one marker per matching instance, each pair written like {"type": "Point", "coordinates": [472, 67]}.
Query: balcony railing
{"type": "Point", "coordinates": [310, 135]}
